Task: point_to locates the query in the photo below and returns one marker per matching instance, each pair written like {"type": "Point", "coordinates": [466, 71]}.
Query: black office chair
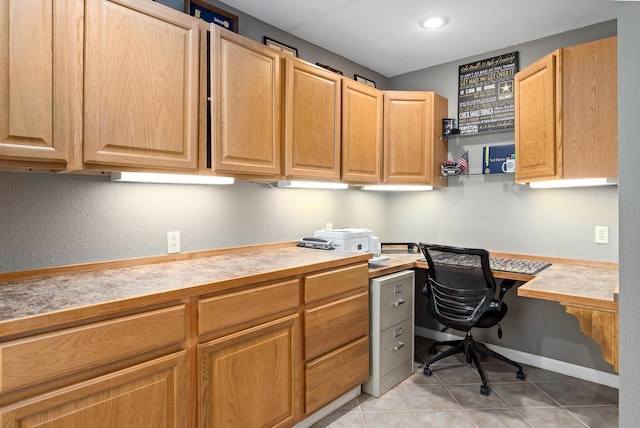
{"type": "Point", "coordinates": [462, 294]}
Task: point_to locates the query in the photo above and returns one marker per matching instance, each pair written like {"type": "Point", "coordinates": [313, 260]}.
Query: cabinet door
{"type": "Point", "coordinates": [361, 133]}
{"type": "Point", "coordinates": [40, 81]}
{"type": "Point", "coordinates": [141, 86]}
{"type": "Point", "coordinates": [152, 394]}
{"type": "Point", "coordinates": [590, 109]}
{"type": "Point", "coordinates": [311, 121]}
{"type": "Point", "coordinates": [251, 378]}
{"type": "Point", "coordinates": [537, 126]}
{"type": "Point", "coordinates": [246, 107]}
{"type": "Point", "coordinates": [407, 137]}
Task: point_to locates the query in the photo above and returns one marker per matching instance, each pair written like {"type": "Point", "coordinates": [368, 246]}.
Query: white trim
{"type": "Point", "coordinates": [545, 363]}
{"type": "Point", "coordinates": [329, 408]}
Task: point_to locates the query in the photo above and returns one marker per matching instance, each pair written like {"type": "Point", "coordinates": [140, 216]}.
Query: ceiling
{"type": "Point", "coordinates": [384, 35]}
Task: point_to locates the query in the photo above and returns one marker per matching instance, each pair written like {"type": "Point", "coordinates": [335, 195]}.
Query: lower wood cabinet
{"type": "Point", "coordinates": [251, 378]}
{"type": "Point", "coordinates": [149, 395]}
{"type": "Point", "coordinates": [238, 357]}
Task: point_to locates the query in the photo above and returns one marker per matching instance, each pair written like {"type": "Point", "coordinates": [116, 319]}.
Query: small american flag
{"type": "Point", "coordinates": [463, 161]}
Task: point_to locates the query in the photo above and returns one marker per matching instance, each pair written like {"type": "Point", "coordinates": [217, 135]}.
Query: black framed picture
{"type": "Point", "coordinates": [280, 46]}
{"type": "Point", "coordinates": [364, 80]}
{"type": "Point", "coordinates": [209, 13]}
{"type": "Point", "coordinates": [328, 67]}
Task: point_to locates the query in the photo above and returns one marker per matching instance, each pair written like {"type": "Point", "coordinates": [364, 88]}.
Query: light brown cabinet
{"type": "Point", "coordinates": [412, 150]}
{"type": "Point", "coordinates": [312, 106]}
{"type": "Point", "coordinates": [246, 107]}
{"type": "Point", "coordinates": [566, 115]}
{"type": "Point", "coordinates": [361, 133]}
{"type": "Point", "coordinates": [84, 88]}
{"type": "Point", "coordinates": [41, 83]}
{"type": "Point", "coordinates": [116, 372]}
{"type": "Point", "coordinates": [148, 395]}
{"type": "Point", "coordinates": [336, 334]}
{"type": "Point", "coordinates": [251, 378]}
{"type": "Point", "coordinates": [141, 86]}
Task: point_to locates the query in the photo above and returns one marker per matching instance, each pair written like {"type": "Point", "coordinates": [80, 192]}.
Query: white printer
{"type": "Point", "coordinates": [350, 238]}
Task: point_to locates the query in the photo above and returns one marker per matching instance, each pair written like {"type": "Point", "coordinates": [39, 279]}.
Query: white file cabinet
{"type": "Point", "coordinates": [391, 331]}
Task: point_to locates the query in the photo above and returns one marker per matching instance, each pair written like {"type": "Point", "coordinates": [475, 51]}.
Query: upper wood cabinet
{"type": "Point", "coordinates": [312, 106]}
{"type": "Point", "coordinates": [246, 116]}
{"type": "Point", "coordinates": [566, 109]}
{"type": "Point", "coordinates": [40, 82]}
{"type": "Point", "coordinates": [412, 150]}
{"type": "Point", "coordinates": [141, 86]}
{"type": "Point", "coordinates": [361, 133]}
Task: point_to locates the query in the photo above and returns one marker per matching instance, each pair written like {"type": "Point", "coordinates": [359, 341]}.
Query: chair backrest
{"type": "Point", "coordinates": [460, 285]}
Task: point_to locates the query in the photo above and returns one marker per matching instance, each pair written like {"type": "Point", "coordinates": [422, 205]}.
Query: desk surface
{"type": "Point", "coordinates": [592, 284]}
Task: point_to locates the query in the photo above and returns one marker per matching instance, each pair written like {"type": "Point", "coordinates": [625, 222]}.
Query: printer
{"type": "Point", "coordinates": [349, 238]}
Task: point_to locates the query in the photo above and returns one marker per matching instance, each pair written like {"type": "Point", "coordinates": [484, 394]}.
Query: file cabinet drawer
{"type": "Point", "coordinates": [395, 300]}
{"type": "Point", "coordinates": [395, 346]}
{"type": "Point", "coordinates": [328, 284]}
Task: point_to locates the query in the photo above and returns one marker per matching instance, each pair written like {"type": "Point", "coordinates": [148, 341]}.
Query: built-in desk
{"type": "Point", "coordinates": [587, 289]}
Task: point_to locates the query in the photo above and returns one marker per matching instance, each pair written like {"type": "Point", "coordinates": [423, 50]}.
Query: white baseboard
{"type": "Point", "coordinates": [329, 408]}
{"type": "Point", "coordinates": [545, 363]}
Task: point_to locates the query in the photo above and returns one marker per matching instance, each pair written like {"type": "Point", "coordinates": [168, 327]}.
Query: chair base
{"type": "Point", "coordinates": [471, 349]}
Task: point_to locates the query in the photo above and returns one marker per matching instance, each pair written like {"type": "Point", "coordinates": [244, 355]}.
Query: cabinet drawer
{"type": "Point", "coordinates": [392, 299]}
{"type": "Point", "coordinates": [330, 326]}
{"type": "Point", "coordinates": [324, 285]}
{"type": "Point", "coordinates": [333, 375]}
{"type": "Point", "coordinates": [396, 345]}
{"type": "Point", "coordinates": [231, 309]}
{"type": "Point", "coordinates": [48, 356]}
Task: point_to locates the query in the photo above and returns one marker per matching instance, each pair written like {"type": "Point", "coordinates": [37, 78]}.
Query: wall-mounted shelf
{"type": "Point", "coordinates": [477, 134]}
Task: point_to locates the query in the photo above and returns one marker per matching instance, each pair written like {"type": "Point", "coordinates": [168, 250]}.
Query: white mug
{"type": "Point", "coordinates": [509, 165]}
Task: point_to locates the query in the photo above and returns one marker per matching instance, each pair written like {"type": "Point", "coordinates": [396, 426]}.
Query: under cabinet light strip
{"type": "Point", "coordinates": [396, 188]}
{"type": "Point", "coordinates": [578, 182]}
{"type": "Point", "coordinates": [312, 185]}
{"type": "Point", "coordinates": [146, 177]}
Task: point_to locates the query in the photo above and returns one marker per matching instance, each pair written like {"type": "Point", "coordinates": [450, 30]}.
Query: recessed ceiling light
{"type": "Point", "coordinates": [433, 22]}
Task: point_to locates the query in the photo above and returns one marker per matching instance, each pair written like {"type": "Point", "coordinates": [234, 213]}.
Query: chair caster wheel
{"type": "Point", "coordinates": [484, 390]}
{"type": "Point", "coordinates": [520, 375]}
{"type": "Point", "coordinates": [427, 371]}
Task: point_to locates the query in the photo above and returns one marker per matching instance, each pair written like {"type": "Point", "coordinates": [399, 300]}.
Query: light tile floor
{"type": "Point", "coordinates": [451, 397]}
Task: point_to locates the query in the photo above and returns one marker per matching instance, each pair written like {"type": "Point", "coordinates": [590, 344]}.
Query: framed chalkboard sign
{"type": "Point", "coordinates": [485, 94]}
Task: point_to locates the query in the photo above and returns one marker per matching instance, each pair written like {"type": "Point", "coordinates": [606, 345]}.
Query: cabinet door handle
{"type": "Point", "coordinates": [399, 346]}
{"type": "Point", "coordinates": [398, 303]}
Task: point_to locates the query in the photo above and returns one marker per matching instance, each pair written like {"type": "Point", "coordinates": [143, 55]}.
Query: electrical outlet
{"type": "Point", "coordinates": [602, 234]}
{"type": "Point", "coordinates": [173, 242]}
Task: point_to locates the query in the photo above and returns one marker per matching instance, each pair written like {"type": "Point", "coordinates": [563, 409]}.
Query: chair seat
{"type": "Point", "coordinates": [493, 317]}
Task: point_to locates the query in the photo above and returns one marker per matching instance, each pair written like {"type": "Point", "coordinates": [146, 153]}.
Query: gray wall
{"type": "Point", "coordinates": [255, 29]}
{"type": "Point", "coordinates": [52, 220]}
{"type": "Point", "coordinates": [495, 213]}
{"type": "Point", "coordinates": [628, 161]}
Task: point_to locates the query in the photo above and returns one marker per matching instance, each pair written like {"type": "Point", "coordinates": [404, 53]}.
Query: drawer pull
{"type": "Point", "coordinates": [398, 347]}
{"type": "Point", "coordinates": [397, 289]}
{"type": "Point", "coordinates": [398, 303]}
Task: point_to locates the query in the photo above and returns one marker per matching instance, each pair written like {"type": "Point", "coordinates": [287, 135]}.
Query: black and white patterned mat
{"type": "Point", "coordinates": [528, 267]}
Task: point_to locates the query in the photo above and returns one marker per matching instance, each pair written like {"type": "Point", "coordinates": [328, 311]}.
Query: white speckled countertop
{"type": "Point", "coordinates": [93, 292]}
{"type": "Point", "coordinates": [67, 291]}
